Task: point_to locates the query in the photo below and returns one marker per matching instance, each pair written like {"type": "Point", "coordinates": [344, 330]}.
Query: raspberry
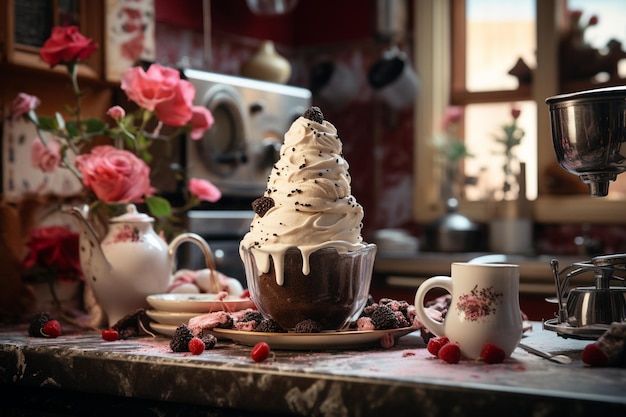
{"type": "Point", "coordinates": [37, 322]}
{"type": "Point", "coordinates": [308, 326]}
{"type": "Point", "coordinates": [491, 353]}
{"type": "Point", "coordinates": [52, 328]}
{"type": "Point", "coordinates": [450, 352]}
{"type": "Point", "coordinates": [196, 346]}
{"type": "Point", "coordinates": [262, 204]}
{"type": "Point", "coordinates": [181, 338]}
{"type": "Point", "coordinates": [384, 318]}
{"type": "Point", "coordinates": [315, 114]}
{"type": "Point", "coordinates": [110, 335]}
{"type": "Point", "coordinates": [594, 356]}
{"type": "Point", "coordinates": [436, 343]}
{"type": "Point", "coordinates": [260, 352]}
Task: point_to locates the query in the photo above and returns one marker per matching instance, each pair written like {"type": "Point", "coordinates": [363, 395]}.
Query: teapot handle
{"type": "Point", "coordinates": [206, 251]}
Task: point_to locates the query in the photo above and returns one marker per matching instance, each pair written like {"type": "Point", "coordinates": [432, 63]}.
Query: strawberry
{"type": "Point", "coordinates": [435, 343]}
{"type": "Point", "coordinates": [491, 353]}
{"type": "Point", "coordinates": [52, 328]}
{"type": "Point", "coordinates": [196, 346]}
{"type": "Point", "coordinates": [110, 335]}
{"type": "Point", "coordinates": [594, 356]}
{"type": "Point", "coordinates": [450, 352]}
{"type": "Point", "coordinates": [260, 352]}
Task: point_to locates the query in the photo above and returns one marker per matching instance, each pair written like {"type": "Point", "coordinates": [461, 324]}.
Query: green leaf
{"type": "Point", "coordinates": [95, 125]}
{"type": "Point", "coordinates": [71, 129]}
{"type": "Point", "coordinates": [159, 206]}
{"type": "Point", "coordinates": [47, 123]}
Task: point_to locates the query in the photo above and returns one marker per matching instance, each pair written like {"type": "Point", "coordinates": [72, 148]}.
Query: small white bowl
{"type": "Point", "coordinates": [197, 303]}
{"type": "Point", "coordinates": [172, 318]}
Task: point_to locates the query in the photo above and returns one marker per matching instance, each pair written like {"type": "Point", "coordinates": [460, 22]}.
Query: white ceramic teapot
{"type": "Point", "coordinates": [131, 262]}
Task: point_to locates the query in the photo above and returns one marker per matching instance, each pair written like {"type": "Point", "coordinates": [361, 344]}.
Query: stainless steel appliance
{"type": "Point", "coordinates": [237, 155]}
{"type": "Point", "coordinates": [588, 131]}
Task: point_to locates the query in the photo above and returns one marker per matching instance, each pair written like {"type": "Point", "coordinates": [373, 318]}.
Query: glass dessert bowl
{"type": "Point", "coordinates": [333, 294]}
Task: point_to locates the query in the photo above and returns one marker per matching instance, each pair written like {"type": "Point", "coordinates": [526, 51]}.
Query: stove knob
{"type": "Point", "coordinates": [269, 152]}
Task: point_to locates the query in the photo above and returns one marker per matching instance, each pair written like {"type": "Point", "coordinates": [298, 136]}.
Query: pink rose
{"type": "Point", "coordinates": [66, 44]}
{"type": "Point", "coordinates": [204, 190]}
{"type": "Point", "coordinates": [22, 104]}
{"type": "Point", "coordinates": [115, 175]}
{"type": "Point", "coordinates": [116, 113]}
{"type": "Point", "coordinates": [46, 158]}
{"type": "Point", "coordinates": [201, 121]}
{"type": "Point", "coordinates": [473, 307]}
{"type": "Point", "coordinates": [149, 88]}
{"type": "Point", "coordinates": [176, 111]}
{"type": "Point", "coordinates": [453, 115]}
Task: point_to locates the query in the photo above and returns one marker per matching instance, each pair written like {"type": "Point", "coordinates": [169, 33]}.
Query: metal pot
{"type": "Point", "coordinates": [454, 232]}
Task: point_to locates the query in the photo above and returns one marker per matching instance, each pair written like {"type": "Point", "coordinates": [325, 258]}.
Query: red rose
{"type": "Point", "coordinates": [54, 247]}
{"type": "Point", "coordinates": [66, 44]}
{"type": "Point", "coordinates": [115, 175]}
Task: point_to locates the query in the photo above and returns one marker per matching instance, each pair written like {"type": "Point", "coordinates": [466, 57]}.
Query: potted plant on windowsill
{"type": "Point", "coordinates": [510, 230]}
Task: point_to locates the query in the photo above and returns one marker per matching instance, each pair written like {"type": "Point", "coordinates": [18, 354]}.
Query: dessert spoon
{"type": "Point", "coordinates": [554, 358]}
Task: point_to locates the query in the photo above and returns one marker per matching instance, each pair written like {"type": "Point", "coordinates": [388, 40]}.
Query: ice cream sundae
{"type": "Point", "coordinates": [304, 255]}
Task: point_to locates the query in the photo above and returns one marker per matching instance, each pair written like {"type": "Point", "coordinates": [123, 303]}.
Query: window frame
{"type": "Point", "coordinates": [435, 43]}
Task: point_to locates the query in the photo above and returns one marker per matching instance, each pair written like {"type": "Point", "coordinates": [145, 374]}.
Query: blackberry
{"type": "Point", "coordinates": [209, 341]}
{"type": "Point", "coordinates": [252, 316]}
{"type": "Point", "coordinates": [384, 318]}
{"type": "Point", "coordinates": [37, 322]}
{"type": "Point", "coordinates": [262, 204]}
{"type": "Point", "coordinates": [181, 338]}
{"type": "Point", "coordinates": [368, 310]}
{"type": "Point", "coordinates": [269, 326]}
{"type": "Point", "coordinates": [315, 114]}
{"type": "Point", "coordinates": [228, 324]}
{"type": "Point", "coordinates": [308, 326]}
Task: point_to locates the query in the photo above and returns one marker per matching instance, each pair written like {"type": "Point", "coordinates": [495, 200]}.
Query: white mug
{"type": "Point", "coordinates": [484, 307]}
{"type": "Point", "coordinates": [394, 80]}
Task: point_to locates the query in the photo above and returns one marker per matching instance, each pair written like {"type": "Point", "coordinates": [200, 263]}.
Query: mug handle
{"type": "Point", "coordinates": [433, 326]}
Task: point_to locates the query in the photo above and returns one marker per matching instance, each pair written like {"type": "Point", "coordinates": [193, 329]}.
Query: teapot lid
{"type": "Point", "coordinates": [132, 216]}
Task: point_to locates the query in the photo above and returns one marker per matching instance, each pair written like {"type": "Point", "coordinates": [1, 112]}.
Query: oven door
{"type": "Point", "coordinates": [221, 155]}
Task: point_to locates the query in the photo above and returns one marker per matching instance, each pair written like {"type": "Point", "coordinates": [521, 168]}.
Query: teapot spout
{"type": "Point", "coordinates": [92, 259]}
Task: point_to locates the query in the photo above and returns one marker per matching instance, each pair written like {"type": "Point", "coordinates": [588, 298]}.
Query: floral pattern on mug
{"type": "Point", "coordinates": [477, 304]}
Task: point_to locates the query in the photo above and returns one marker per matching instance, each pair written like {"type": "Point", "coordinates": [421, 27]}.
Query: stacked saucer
{"type": "Point", "coordinates": [171, 310]}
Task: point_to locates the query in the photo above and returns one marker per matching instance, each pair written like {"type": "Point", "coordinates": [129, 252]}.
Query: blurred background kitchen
{"type": "Point", "coordinates": [427, 95]}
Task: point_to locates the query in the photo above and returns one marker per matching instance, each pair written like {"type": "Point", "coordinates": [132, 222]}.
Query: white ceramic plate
{"type": "Point", "coordinates": [197, 303]}
{"type": "Point", "coordinates": [164, 329]}
{"type": "Point", "coordinates": [310, 341]}
{"type": "Point", "coordinates": [172, 318]}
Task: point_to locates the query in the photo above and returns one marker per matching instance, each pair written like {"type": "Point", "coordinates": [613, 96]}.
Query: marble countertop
{"type": "Point", "coordinates": [80, 367]}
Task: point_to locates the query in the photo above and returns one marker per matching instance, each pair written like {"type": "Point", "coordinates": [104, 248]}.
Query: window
{"type": "Point", "coordinates": [465, 49]}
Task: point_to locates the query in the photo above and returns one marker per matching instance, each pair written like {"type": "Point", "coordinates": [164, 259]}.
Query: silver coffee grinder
{"type": "Point", "coordinates": [588, 131]}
